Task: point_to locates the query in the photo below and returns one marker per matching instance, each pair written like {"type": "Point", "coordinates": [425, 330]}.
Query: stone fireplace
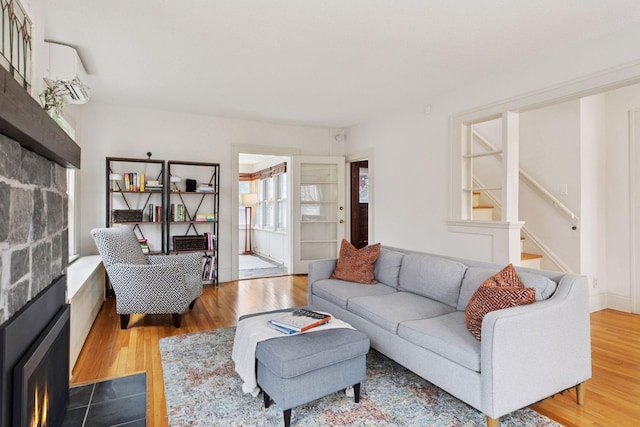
{"type": "Point", "coordinates": [34, 155]}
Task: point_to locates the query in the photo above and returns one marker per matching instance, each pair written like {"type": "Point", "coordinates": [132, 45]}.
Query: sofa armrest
{"type": "Point", "coordinates": [323, 269]}
{"type": "Point", "coordinates": [534, 351]}
{"type": "Point", "coordinates": [192, 263]}
{"type": "Point", "coordinates": [319, 270]}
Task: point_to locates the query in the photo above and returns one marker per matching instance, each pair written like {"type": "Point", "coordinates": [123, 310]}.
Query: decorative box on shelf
{"type": "Point", "coordinates": [189, 243]}
{"type": "Point", "coordinates": [127, 215]}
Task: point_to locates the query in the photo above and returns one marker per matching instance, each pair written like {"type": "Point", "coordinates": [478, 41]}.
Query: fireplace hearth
{"type": "Point", "coordinates": [34, 361]}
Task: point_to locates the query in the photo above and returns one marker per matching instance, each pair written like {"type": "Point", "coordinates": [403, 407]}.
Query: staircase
{"type": "Point", "coordinates": [485, 212]}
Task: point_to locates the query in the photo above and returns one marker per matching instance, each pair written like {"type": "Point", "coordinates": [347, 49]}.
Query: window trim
{"type": "Point", "coordinates": [73, 214]}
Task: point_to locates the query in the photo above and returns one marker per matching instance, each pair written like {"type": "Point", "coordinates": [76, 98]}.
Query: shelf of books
{"type": "Point", "coordinates": [172, 212]}
{"type": "Point", "coordinates": [135, 199]}
{"type": "Point", "coordinates": [192, 198]}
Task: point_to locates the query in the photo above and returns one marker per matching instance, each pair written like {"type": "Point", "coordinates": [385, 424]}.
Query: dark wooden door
{"type": "Point", "coordinates": [360, 204]}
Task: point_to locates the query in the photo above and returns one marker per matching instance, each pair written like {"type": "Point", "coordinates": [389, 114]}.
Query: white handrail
{"type": "Point", "coordinates": [525, 232]}
{"type": "Point", "coordinates": [542, 192]}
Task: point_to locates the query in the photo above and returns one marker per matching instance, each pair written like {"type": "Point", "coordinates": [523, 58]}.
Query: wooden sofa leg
{"type": "Point", "coordinates": [124, 320]}
{"type": "Point", "coordinates": [177, 319]}
{"type": "Point", "coordinates": [492, 422]}
{"type": "Point", "coordinates": [580, 392]}
{"type": "Point", "coordinates": [193, 303]}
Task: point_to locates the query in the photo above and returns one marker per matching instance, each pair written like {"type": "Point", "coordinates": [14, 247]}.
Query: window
{"type": "Point", "coordinates": [271, 197]}
{"type": "Point", "coordinates": [244, 187]}
{"type": "Point", "coordinates": [267, 203]}
{"type": "Point", "coordinates": [15, 49]}
{"type": "Point", "coordinates": [72, 213]}
{"type": "Point", "coordinates": [281, 202]}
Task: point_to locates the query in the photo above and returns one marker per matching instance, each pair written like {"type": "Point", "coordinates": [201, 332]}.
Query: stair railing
{"type": "Point", "coordinates": [540, 190]}
{"type": "Point", "coordinates": [546, 250]}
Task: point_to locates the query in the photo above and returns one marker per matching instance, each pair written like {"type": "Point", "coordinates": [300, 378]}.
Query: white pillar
{"type": "Point", "coordinates": [510, 165]}
{"type": "Point", "coordinates": [511, 184]}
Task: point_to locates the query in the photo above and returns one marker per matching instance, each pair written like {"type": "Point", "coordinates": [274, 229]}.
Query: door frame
{"type": "Point", "coordinates": [356, 157]}
{"type": "Point", "coordinates": [236, 149]}
{"type": "Point", "coordinates": [634, 207]}
{"type": "Point", "coordinates": [354, 197]}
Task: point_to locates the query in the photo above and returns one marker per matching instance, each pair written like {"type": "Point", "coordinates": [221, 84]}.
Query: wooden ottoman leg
{"type": "Point", "coordinates": [287, 417]}
{"type": "Point", "coordinates": [356, 392]}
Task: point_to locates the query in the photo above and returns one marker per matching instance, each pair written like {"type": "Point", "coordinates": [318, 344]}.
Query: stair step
{"type": "Point", "coordinates": [524, 256]}
{"type": "Point", "coordinates": [482, 213]}
{"type": "Point", "coordinates": [531, 260]}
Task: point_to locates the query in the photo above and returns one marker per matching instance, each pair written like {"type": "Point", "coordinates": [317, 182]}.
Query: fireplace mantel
{"type": "Point", "coordinates": [25, 121]}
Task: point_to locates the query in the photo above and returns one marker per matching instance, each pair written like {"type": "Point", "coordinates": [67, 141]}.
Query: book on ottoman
{"type": "Point", "coordinates": [298, 321]}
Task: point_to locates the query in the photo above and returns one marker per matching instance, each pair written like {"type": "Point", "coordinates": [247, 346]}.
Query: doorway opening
{"type": "Point", "coordinates": [263, 216]}
{"type": "Point", "coordinates": [359, 176]}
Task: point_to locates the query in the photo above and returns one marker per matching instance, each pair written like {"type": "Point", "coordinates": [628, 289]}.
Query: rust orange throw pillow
{"type": "Point", "coordinates": [503, 290]}
{"type": "Point", "coordinates": [356, 265]}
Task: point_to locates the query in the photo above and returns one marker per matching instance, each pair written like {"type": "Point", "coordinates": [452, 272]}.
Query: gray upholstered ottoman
{"type": "Point", "coordinates": [297, 369]}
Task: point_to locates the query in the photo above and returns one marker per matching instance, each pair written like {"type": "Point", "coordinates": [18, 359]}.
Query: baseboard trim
{"type": "Point", "coordinates": [604, 300]}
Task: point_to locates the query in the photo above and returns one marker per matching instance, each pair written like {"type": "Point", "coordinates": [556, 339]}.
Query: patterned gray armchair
{"type": "Point", "coordinates": [156, 284]}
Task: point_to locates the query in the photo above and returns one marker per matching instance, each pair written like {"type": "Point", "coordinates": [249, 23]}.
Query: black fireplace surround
{"type": "Point", "coordinates": [34, 357]}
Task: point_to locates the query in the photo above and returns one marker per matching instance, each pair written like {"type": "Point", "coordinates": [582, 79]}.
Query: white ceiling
{"type": "Point", "coordinates": [313, 62]}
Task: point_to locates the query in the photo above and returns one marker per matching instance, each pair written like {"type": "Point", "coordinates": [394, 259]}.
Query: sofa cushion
{"type": "Point", "coordinates": [433, 277]}
{"type": "Point", "coordinates": [502, 290]}
{"type": "Point", "coordinates": [339, 291]}
{"type": "Point", "coordinates": [474, 276]}
{"type": "Point", "coordinates": [387, 267]}
{"type": "Point", "coordinates": [388, 311]}
{"type": "Point", "coordinates": [356, 265]}
{"type": "Point", "coordinates": [446, 335]}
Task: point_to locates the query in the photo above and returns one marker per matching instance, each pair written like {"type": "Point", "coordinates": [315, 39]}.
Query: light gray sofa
{"type": "Point", "coordinates": [415, 316]}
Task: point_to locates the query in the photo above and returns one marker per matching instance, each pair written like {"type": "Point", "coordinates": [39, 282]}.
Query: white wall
{"type": "Point", "coordinates": [411, 184]}
{"type": "Point", "coordinates": [411, 150]}
{"type": "Point", "coordinates": [120, 131]}
{"type": "Point", "coordinates": [550, 140]}
{"type": "Point", "coordinates": [618, 103]}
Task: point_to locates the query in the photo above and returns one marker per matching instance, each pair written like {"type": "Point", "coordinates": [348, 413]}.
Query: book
{"type": "Point", "coordinates": [205, 217]}
{"type": "Point", "coordinates": [282, 329]}
{"type": "Point", "coordinates": [299, 320]}
{"type": "Point", "coordinates": [205, 188]}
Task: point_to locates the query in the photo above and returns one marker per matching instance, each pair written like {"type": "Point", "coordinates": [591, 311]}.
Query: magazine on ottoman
{"type": "Point", "coordinates": [298, 321]}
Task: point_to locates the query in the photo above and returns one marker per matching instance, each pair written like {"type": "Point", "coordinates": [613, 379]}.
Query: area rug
{"type": "Point", "coordinates": [251, 262]}
{"type": "Point", "coordinates": [202, 389]}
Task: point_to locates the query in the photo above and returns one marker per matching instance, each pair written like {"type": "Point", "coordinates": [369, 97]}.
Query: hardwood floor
{"type": "Point", "coordinates": [612, 394]}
